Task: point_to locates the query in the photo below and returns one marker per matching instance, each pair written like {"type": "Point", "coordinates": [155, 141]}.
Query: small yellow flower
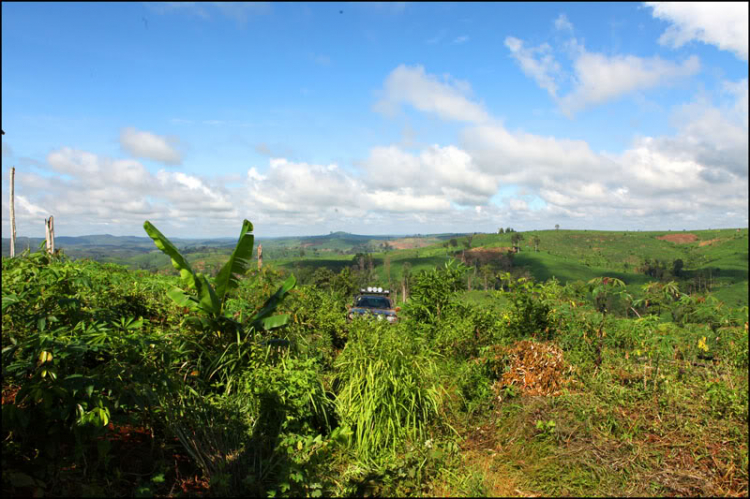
{"type": "Point", "coordinates": [702, 344]}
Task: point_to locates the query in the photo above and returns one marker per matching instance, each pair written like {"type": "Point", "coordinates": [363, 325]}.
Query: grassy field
{"type": "Point", "coordinates": [580, 256]}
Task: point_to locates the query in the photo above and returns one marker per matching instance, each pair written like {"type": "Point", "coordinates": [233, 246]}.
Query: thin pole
{"type": "Point", "coordinates": [52, 234]}
{"type": "Point", "coordinates": [12, 213]}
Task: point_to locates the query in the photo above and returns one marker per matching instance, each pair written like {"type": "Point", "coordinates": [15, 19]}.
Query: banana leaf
{"type": "Point", "coordinates": [226, 280]}
{"type": "Point", "coordinates": [273, 302]}
{"type": "Point", "coordinates": [207, 299]}
{"type": "Point", "coordinates": [178, 261]}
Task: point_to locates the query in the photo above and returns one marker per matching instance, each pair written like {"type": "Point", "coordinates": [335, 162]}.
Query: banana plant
{"type": "Point", "coordinates": [210, 300]}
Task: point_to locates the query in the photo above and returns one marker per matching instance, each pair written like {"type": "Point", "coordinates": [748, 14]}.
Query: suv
{"type": "Point", "coordinates": [374, 302]}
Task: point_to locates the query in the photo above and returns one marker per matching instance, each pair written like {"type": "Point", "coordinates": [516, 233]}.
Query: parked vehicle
{"type": "Point", "coordinates": [375, 303]}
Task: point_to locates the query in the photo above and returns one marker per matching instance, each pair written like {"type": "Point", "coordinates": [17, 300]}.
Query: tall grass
{"type": "Point", "coordinates": [388, 388]}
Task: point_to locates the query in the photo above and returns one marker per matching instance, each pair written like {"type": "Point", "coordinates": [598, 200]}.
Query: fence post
{"type": "Point", "coordinates": [49, 233]}
{"type": "Point", "coordinates": [260, 256]}
{"type": "Point", "coordinates": [12, 213]}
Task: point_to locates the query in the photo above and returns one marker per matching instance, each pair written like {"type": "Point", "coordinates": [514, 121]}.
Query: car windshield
{"type": "Point", "coordinates": [373, 302]}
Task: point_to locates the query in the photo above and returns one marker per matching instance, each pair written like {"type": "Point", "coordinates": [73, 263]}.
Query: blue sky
{"type": "Point", "coordinates": [384, 118]}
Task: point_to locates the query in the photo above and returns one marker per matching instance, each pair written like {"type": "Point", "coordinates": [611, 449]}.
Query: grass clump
{"type": "Point", "coordinates": [387, 388]}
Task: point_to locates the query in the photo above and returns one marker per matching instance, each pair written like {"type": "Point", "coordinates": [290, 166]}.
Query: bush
{"type": "Point", "coordinates": [387, 387]}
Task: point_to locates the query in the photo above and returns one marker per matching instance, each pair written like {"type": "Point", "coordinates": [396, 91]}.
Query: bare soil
{"type": "Point", "coordinates": [684, 238]}
{"type": "Point", "coordinates": [410, 243]}
{"type": "Point", "coordinates": [710, 241]}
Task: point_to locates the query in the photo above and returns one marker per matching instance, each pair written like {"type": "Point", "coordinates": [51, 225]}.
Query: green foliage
{"type": "Point", "coordinates": [529, 311]}
{"type": "Point", "coordinates": [432, 291]}
{"type": "Point", "coordinates": [388, 389]}
{"type": "Point", "coordinates": [211, 301]}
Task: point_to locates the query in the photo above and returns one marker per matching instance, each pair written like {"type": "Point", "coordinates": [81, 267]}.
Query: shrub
{"type": "Point", "coordinates": [387, 387]}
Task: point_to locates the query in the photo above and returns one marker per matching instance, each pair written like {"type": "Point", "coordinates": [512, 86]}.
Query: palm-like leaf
{"type": "Point", "coordinates": [178, 261]}
{"type": "Point", "coordinates": [226, 280]}
{"type": "Point", "coordinates": [263, 318]}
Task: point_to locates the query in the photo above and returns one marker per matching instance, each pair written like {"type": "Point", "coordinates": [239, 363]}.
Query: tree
{"type": "Point", "coordinates": [486, 272]}
{"type": "Point", "coordinates": [454, 242]}
{"type": "Point", "coordinates": [405, 280]}
{"type": "Point", "coordinates": [557, 226]}
{"type": "Point", "coordinates": [515, 238]}
{"type": "Point", "coordinates": [500, 230]}
{"type": "Point", "coordinates": [535, 241]}
{"type": "Point", "coordinates": [677, 267]}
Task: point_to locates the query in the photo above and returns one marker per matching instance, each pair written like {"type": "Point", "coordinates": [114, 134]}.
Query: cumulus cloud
{"type": "Point", "coordinates": [150, 146]}
{"type": "Point", "coordinates": [446, 171]}
{"type": "Point", "coordinates": [723, 24]}
{"type": "Point", "coordinates": [701, 171]}
{"type": "Point", "coordinates": [600, 78]}
{"type": "Point", "coordinates": [448, 99]}
{"type": "Point", "coordinates": [83, 190]}
{"type": "Point", "coordinates": [596, 78]}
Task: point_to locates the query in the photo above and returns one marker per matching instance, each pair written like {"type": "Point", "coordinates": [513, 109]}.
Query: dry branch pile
{"type": "Point", "coordinates": [536, 368]}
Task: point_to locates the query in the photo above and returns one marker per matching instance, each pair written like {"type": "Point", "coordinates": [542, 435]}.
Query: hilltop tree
{"type": "Point", "coordinates": [557, 226]}
{"type": "Point", "coordinates": [500, 230]}
{"type": "Point", "coordinates": [454, 242]}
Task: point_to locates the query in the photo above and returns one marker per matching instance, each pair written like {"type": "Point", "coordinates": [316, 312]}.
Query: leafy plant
{"type": "Point", "coordinates": [210, 300]}
{"type": "Point", "coordinates": [387, 388]}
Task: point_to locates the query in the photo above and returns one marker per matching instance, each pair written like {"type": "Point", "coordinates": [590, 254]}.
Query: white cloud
{"type": "Point", "coordinates": [700, 172]}
{"type": "Point", "coordinates": [461, 39]}
{"type": "Point", "coordinates": [562, 23]}
{"type": "Point", "coordinates": [150, 146]}
{"type": "Point", "coordinates": [599, 78]}
{"type": "Point", "coordinates": [445, 171]}
{"type": "Point", "coordinates": [537, 63]}
{"type": "Point", "coordinates": [723, 24]}
{"type": "Point", "coordinates": [448, 98]}
{"type": "Point", "coordinates": [596, 78]}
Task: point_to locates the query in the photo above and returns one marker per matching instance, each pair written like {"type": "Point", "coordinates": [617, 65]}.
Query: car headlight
{"type": "Point", "coordinates": [391, 318]}
{"type": "Point", "coordinates": [351, 316]}
{"type": "Point", "coordinates": [380, 317]}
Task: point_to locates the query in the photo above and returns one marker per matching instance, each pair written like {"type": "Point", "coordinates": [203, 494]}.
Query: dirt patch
{"type": "Point", "coordinates": [536, 368]}
{"type": "Point", "coordinates": [709, 242]}
{"type": "Point", "coordinates": [679, 238]}
{"type": "Point", "coordinates": [486, 255]}
{"type": "Point", "coordinates": [410, 243]}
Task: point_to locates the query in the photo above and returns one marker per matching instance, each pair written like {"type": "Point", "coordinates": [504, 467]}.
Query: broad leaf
{"type": "Point", "coordinates": [275, 299]}
{"type": "Point", "coordinates": [178, 261]}
{"type": "Point", "coordinates": [183, 299]}
{"type": "Point", "coordinates": [238, 263]}
{"type": "Point", "coordinates": [273, 321]}
{"type": "Point", "coordinates": [207, 299]}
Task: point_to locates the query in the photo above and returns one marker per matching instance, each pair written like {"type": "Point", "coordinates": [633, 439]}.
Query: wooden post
{"type": "Point", "coordinates": [46, 234]}
{"type": "Point", "coordinates": [49, 232]}
{"type": "Point", "coordinates": [12, 214]}
{"type": "Point", "coordinates": [260, 256]}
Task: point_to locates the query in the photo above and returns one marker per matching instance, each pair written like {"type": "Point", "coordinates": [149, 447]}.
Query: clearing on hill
{"type": "Point", "coordinates": [679, 238]}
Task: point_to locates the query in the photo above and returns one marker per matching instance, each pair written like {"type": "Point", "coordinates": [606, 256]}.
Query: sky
{"type": "Point", "coordinates": [374, 118]}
